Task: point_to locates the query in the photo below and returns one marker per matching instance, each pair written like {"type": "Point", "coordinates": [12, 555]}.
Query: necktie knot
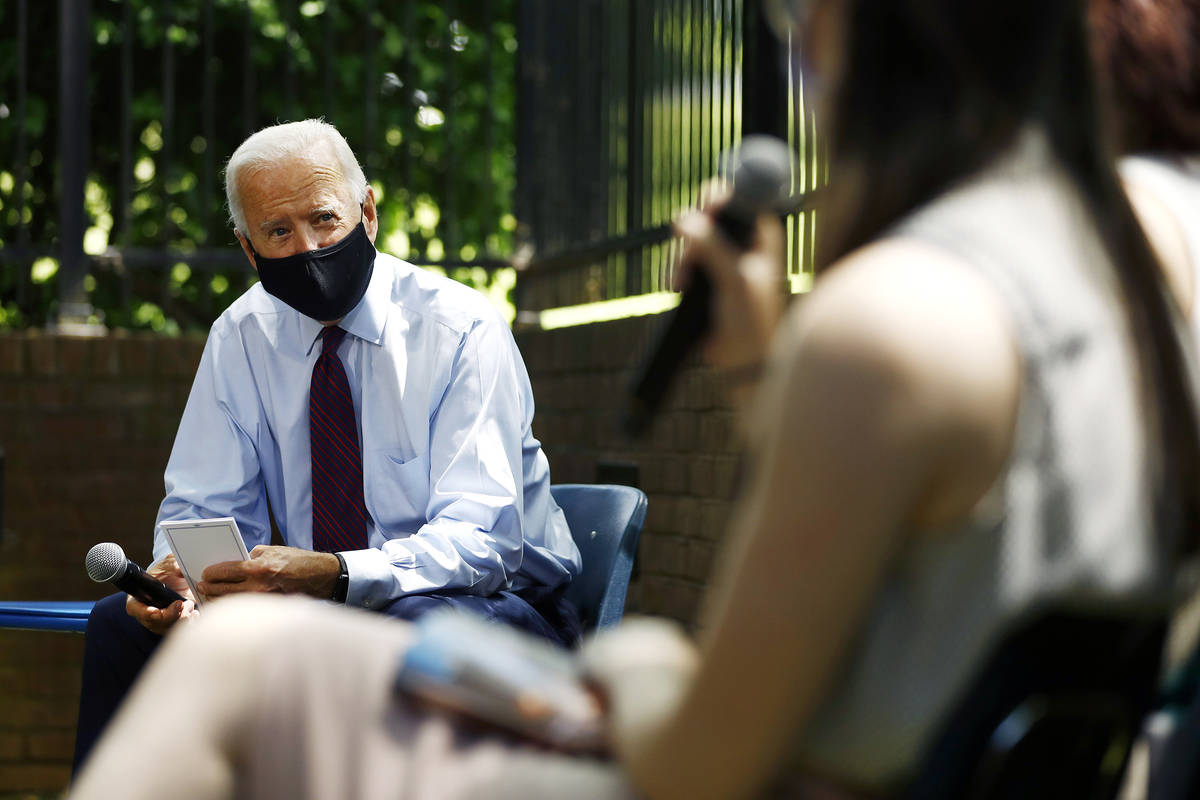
{"type": "Point", "coordinates": [331, 337]}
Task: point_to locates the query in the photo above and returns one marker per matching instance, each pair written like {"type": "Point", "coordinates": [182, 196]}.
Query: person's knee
{"type": "Point", "coordinates": [108, 612]}
{"type": "Point", "coordinates": [242, 628]}
{"type": "Point", "coordinates": [109, 622]}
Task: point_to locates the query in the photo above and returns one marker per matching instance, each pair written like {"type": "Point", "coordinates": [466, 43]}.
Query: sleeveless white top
{"type": "Point", "coordinates": [1069, 518]}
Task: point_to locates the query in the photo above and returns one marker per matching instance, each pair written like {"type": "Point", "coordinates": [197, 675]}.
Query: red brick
{"type": "Point", "coordinates": [105, 358]}
{"type": "Point", "coordinates": [714, 516]}
{"type": "Point", "coordinates": [670, 597]}
{"type": "Point", "coordinates": [727, 477]}
{"type": "Point", "coordinates": [662, 555]}
{"type": "Point", "coordinates": [28, 712]}
{"type": "Point", "coordinates": [675, 475]}
{"type": "Point", "coordinates": [683, 601]}
{"type": "Point", "coordinates": [701, 476]}
{"type": "Point", "coordinates": [43, 355]}
{"type": "Point", "coordinates": [107, 395]}
{"type": "Point", "coordinates": [712, 432]}
{"type": "Point", "coordinates": [84, 428]}
{"type": "Point", "coordinates": [14, 394]}
{"type": "Point", "coordinates": [34, 777]}
{"type": "Point", "coordinates": [52, 395]}
{"type": "Point", "coordinates": [13, 358]}
{"type": "Point", "coordinates": [135, 356]}
{"type": "Point", "coordinates": [51, 746]}
{"type": "Point", "coordinates": [12, 746]}
{"type": "Point", "coordinates": [75, 354]}
{"type": "Point", "coordinates": [179, 357]}
{"type": "Point", "coordinates": [39, 649]}
{"type": "Point", "coordinates": [36, 681]}
{"type": "Point", "coordinates": [633, 598]}
{"type": "Point", "coordinates": [699, 560]}
{"type": "Point", "coordinates": [659, 512]}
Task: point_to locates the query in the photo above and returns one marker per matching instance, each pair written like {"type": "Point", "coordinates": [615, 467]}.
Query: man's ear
{"type": "Point", "coordinates": [370, 217]}
{"type": "Point", "coordinates": [245, 243]}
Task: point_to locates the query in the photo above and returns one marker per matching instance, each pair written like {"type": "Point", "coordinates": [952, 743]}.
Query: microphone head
{"type": "Point", "coordinates": [105, 561]}
{"type": "Point", "coordinates": [760, 167]}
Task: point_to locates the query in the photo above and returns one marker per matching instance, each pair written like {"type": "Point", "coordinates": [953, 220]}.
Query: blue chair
{"type": "Point", "coordinates": [605, 521]}
{"type": "Point", "coordinates": [31, 615]}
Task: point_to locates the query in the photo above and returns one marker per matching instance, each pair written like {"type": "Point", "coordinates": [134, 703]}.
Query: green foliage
{"type": "Point", "coordinates": [425, 98]}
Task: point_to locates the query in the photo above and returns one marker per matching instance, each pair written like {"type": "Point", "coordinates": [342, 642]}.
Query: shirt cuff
{"type": "Point", "coordinates": [372, 576]}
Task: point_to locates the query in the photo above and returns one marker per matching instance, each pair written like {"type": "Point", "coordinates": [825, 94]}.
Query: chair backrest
{"type": "Point", "coordinates": [605, 522]}
{"type": "Point", "coordinates": [1053, 713]}
{"type": "Point", "coordinates": [1172, 735]}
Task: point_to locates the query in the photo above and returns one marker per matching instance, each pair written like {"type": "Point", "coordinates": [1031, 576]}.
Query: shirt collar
{"type": "Point", "coordinates": [366, 320]}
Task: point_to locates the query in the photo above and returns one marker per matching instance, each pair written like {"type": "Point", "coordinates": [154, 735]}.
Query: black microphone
{"type": "Point", "coordinates": [760, 170]}
{"type": "Point", "coordinates": [106, 563]}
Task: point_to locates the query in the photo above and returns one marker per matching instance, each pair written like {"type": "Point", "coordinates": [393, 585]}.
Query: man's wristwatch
{"type": "Point", "coordinates": [343, 581]}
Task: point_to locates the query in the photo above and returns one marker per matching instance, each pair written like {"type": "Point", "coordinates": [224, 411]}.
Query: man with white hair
{"type": "Point", "coordinates": [379, 413]}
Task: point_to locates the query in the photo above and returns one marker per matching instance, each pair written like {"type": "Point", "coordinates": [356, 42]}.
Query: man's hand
{"type": "Point", "coordinates": [160, 620]}
{"type": "Point", "coordinates": [287, 570]}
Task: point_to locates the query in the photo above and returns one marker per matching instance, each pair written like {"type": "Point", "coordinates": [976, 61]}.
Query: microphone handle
{"type": "Point", "coordinates": [689, 323]}
{"type": "Point", "coordinates": [151, 591]}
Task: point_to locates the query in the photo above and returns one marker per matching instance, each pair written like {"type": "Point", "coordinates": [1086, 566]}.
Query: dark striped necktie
{"type": "Point", "coordinates": [339, 513]}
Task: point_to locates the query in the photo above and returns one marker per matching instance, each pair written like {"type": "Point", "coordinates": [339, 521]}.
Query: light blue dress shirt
{"type": "Point", "coordinates": [457, 487]}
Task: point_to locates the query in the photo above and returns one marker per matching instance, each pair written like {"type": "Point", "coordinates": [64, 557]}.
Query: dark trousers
{"type": "Point", "coordinates": [117, 647]}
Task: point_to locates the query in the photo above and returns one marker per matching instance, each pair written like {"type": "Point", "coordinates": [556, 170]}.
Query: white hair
{"type": "Point", "coordinates": [278, 142]}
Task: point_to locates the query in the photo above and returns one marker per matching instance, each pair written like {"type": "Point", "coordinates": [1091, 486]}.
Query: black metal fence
{"type": "Point", "coordinates": [624, 109]}
{"type": "Point", "coordinates": [116, 117]}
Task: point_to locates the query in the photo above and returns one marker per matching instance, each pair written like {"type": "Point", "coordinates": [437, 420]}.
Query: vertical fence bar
{"type": "Point", "coordinates": [489, 135]}
{"type": "Point", "coordinates": [370, 88]}
{"type": "Point", "coordinates": [249, 115]}
{"type": "Point", "coordinates": [22, 151]}
{"type": "Point", "coordinates": [407, 101]}
{"type": "Point", "coordinates": [449, 215]}
{"type": "Point", "coordinates": [327, 59]}
{"type": "Point", "coordinates": [72, 145]}
{"type": "Point", "coordinates": [126, 175]}
{"type": "Point", "coordinates": [249, 123]}
{"type": "Point", "coordinates": [165, 164]}
{"type": "Point", "coordinates": [763, 92]}
{"type": "Point", "coordinates": [633, 157]}
{"type": "Point", "coordinates": [208, 170]}
{"type": "Point", "coordinates": [126, 189]}
{"type": "Point", "coordinates": [696, 23]}
{"type": "Point", "coordinates": [289, 59]}
{"type": "Point", "coordinates": [522, 295]}
{"type": "Point", "coordinates": [208, 123]}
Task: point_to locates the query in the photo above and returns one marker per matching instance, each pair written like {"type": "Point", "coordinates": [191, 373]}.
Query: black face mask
{"type": "Point", "coordinates": [326, 283]}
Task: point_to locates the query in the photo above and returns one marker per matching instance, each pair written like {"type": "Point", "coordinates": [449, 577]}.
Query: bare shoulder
{"type": "Point", "coordinates": [1167, 238]}
{"type": "Point", "coordinates": [922, 346]}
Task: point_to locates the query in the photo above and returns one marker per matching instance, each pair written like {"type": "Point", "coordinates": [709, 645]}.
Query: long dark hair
{"type": "Point", "coordinates": [1148, 56]}
{"type": "Point", "coordinates": [932, 90]}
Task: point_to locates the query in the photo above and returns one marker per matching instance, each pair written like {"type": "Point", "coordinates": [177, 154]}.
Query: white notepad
{"type": "Point", "coordinates": [200, 543]}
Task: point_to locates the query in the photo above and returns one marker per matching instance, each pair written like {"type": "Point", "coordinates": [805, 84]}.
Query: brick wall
{"type": "Point", "coordinates": [687, 467]}
{"type": "Point", "coordinates": [87, 425]}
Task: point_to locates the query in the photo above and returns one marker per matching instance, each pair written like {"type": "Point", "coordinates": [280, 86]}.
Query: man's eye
{"type": "Point", "coordinates": [278, 232]}
{"type": "Point", "coordinates": [326, 217]}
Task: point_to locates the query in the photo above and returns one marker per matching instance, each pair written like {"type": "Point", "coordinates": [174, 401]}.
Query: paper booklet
{"type": "Point", "coordinates": [496, 674]}
{"type": "Point", "coordinates": [200, 543]}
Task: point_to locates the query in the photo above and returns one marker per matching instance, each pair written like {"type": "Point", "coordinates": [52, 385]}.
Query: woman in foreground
{"type": "Point", "coordinates": [964, 421]}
